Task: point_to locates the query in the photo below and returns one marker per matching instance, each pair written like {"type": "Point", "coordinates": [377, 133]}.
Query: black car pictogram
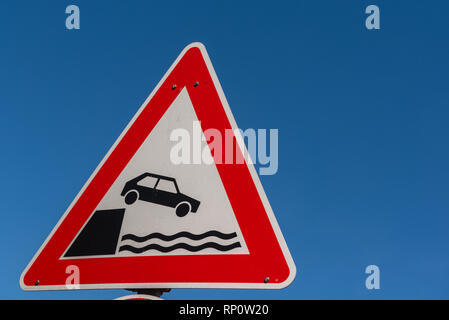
{"type": "Point", "coordinates": [160, 190]}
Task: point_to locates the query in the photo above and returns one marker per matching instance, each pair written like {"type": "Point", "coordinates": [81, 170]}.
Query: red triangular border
{"type": "Point", "coordinates": [268, 257]}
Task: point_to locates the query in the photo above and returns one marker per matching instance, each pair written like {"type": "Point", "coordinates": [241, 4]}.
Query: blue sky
{"type": "Point", "coordinates": [362, 118]}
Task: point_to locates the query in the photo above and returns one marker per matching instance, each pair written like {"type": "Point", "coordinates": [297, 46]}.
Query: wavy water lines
{"type": "Point", "coordinates": [223, 247]}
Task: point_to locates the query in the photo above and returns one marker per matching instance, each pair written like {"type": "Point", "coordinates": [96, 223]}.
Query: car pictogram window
{"type": "Point", "coordinates": [166, 185]}
{"type": "Point", "coordinates": [148, 182]}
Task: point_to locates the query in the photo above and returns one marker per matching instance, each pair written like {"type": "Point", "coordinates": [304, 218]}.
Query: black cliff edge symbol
{"type": "Point", "coordinates": [100, 235]}
{"type": "Point", "coordinates": [159, 194]}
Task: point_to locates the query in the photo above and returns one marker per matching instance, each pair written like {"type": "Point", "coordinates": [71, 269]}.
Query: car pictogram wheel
{"type": "Point", "coordinates": [182, 209]}
{"type": "Point", "coordinates": [131, 197]}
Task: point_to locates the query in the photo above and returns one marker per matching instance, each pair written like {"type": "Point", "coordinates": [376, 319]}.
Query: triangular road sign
{"type": "Point", "coordinates": [144, 221]}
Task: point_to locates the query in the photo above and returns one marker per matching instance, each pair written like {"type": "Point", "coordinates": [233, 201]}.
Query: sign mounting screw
{"type": "Point", "coordinates": [266, 280]}
{"type": "Point", "coordinates": [173, 87]}
{"type": "Point", "coordinates": [196, 84]}
{"type": "Point", "coordinates": [36, 283]}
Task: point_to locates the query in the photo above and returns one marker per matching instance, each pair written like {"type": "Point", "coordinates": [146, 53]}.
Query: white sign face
{"type": "Point", "coordinates": [152, 226]}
